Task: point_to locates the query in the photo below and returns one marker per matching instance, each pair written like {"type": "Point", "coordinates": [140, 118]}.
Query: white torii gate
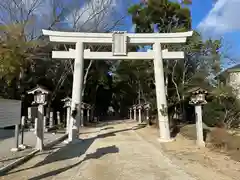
{"type": "Point", "coordinates": [119, 41]}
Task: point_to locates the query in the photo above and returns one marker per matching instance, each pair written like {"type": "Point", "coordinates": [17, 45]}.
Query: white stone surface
{"type": "Point", "coordinates": [160, 92]}
{"type": "Point", "coordinates": [77, 91]}
{"type": "Point", "coordinates": [108, 55]}
{"type": "Point", "coordinates": [133, 38]}
{"type": "Point", "coordinates": [199, 126]}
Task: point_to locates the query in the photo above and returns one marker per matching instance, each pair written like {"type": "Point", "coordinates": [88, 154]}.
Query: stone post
{"type": "Point", "coordinates": [130, 113]}
{"type": "Point", "coordinates": [29, 113]}
{"type": "Point", "coordinates": [92, 114]}
{"type": "Point", "coordinates": [23, 120]}
{"type": "Point", "coordinates": [16, 148]}
{"type": "Point", "coordinates": [135, 112]}
{"type": "Point", "coordinates": [51, 122]}
{"type": "Point", "coordinates": [82, 116]}
{"type": "Point", "coordinates": [67, 104]}
{"type": "Point", "coordinates": [58, 118]}
{"type": "Point", "coordinates": [44, 124]}
{"type": "Point", "coordinates": [68, 118]}
{"type": "Point", "coordinates": [139, 107]}
{"type": "Point", "coordinates": [39, 124]}
{"type": "Point", "coordinates": [146, 108]}
{"type": "Point", "coordinates": [199, 126]}
{"type": "Point", "coordinates": [35, 125]}
{"type": "Point", "coordinates": [88, 114]}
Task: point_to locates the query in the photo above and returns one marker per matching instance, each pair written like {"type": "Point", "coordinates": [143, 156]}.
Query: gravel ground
{"type": "Point", "coordinates": [110, 152]}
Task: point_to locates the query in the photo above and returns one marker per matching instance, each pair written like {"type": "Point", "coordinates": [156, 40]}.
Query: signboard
{"type": "Point", "coordinates": [10, 112]}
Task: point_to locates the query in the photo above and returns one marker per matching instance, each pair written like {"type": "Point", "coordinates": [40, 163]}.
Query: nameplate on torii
{"type": "Point", "coordinates": [119, 44]}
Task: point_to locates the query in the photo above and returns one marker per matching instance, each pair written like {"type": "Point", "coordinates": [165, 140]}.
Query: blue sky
{"type": "Point", "coordinates": [219, 20]}
{"type": "Point", "coordinates": [216, 21]}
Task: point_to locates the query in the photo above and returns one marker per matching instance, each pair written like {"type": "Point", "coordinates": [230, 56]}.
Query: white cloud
{"type": "Point", "coordinates": [95, 15]}
{"type": "Point", "coordinates": [222, 18]}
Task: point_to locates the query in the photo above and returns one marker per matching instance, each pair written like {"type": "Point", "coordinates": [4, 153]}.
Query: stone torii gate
{"type": "Point", "coordinates": [119, 41]}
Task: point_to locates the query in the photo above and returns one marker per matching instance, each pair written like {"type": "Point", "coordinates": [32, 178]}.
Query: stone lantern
{"type": "Point", "coordinates": [40, 99]}
{"type": "Point", "coordinates": [130, 113]}
{"type": "Point", "coordinates": [197, 100]}
{"type": "Point", "coordinates": [134, 112]}
{"type": "Point", "coordinates": [88, 108]}
{"type": "Point", "coordinates": [146, 107]}
{"type": "Point", "coordinates": [83, 107]}
{"type": "Point", "coordinates": [139, 107]}
{"type": "Point", "coordinates": [67, 104]}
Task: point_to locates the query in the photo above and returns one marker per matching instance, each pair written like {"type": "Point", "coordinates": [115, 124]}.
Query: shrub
{"type": "Point", "coordinates": [225, 110]}
{"type": "Point", "coordinates": [218, 138]}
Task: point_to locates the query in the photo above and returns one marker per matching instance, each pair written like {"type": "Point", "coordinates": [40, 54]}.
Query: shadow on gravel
{"type": "Point", "coordinates": [74, 150]}
{"type": "Point", "coordinates": [96, 155]}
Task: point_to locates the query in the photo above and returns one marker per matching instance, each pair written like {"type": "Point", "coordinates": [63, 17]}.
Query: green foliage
{"type": "Point", "coordinates": [225, 110]}
{"type": "Point", "coordinates": [166, 15]}
{"type": "Point", "coordinates": [16, 53]}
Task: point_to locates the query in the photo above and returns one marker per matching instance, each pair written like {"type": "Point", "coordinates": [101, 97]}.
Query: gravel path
{"type": "Point", "coordinates": [111, 152]}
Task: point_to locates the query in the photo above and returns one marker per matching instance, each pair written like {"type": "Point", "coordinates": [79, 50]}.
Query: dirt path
{"type": "Point", "coordinates": [113, 152]}
{"type": "Point", "coordinates": [201, 163]}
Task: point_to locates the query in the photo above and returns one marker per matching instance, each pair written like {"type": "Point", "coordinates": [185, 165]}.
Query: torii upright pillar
{"type": "Point", "coordinates": [76, 93]}
{"type": "Point", "coordinates": [160, 93]}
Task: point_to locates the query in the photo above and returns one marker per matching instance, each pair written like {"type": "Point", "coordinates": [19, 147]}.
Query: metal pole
{"type": "Point", "coordinates": [22, 128]}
